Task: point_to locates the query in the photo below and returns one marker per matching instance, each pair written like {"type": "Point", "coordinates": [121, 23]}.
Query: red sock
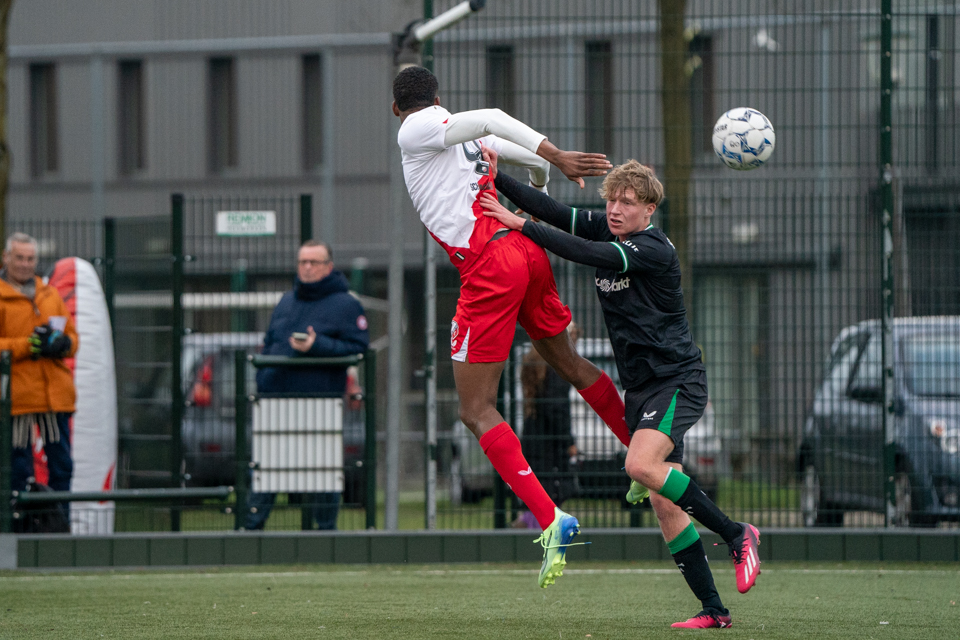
{"type": "Point", "coordinates": [503, 449]}
{"type": "Point", "coordinates": [604, 398]}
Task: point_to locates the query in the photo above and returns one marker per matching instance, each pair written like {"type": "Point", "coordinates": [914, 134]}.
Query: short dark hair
{"type": "Point", "coordinates": [414, 87]}
{"type": "Point", "coordinates": [317, 243]}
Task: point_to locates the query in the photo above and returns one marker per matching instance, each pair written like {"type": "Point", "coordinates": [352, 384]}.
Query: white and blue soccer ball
{"type": "Point", "coordinates": [743, 138]}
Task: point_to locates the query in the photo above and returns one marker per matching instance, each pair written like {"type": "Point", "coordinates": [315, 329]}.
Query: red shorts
{"type": "Point", "coordinates": [511, 281]}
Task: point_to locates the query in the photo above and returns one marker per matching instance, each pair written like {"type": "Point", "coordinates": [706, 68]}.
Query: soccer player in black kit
{"type": "Point", "coordinates": [638, 283]}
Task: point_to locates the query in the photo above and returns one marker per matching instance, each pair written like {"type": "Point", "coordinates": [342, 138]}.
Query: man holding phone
{"type": "Point", "coordinates": [35, 326]}
{"type": "Point", "coordinates": [318, 319]}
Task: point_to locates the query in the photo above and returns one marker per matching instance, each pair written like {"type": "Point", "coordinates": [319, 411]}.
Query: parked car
{"type": "Point", "coordinates": [601, 454]}
{"type": "Point", "coordinates": [208, 430]}
{"type": "Point", "coordinates": [840, 461]}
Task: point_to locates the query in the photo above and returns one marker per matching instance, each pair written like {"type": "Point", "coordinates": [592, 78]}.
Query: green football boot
{"type": "Point", "coordinates": [638, 493]}
{"type": "Point", "coordinates": [555, 539]}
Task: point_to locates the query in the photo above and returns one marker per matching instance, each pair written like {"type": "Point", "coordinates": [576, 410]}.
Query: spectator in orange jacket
{"type": "Point", "coordinates": [35, 326]}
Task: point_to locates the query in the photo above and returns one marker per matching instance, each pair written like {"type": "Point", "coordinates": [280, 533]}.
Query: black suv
{"type": "Point", "coordinates": [841, 455]}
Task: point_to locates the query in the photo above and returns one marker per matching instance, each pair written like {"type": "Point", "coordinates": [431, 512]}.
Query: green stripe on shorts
{"type": "Point", "coordinates": [666, 425]}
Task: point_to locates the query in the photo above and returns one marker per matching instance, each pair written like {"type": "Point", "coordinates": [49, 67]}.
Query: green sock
{"type": "Point", "coordinates": [688, 554]}
{"type": "Point", "coordinates": [686, 538]}
{"type": "Point", "coordinates": [675, 484]}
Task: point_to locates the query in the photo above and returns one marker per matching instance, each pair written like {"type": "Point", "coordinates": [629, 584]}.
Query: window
{"type": "Point", "coordinates": [932, 363]}
{"type": "Point", "coordinates": [500, 78]}
{"type": "Point", "coordinates": [599, 99]}
{"type": "Point", "coordinates": [223, 115]}
{"type": "Point", "coordinates": [843, 360]}
{"type": "Point", "coordinates": [312, 112]}
{"type": "Point", "coordinates": [130, 113]}
{"type": "Point", "coordinates": [867, 380]}
{"type": "Point", "coordinates": [702, 116]}
{"type": "Point", "coordinates": [43, 120]}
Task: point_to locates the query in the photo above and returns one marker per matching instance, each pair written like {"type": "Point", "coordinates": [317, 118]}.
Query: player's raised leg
{"type": "Point", "coordinates": [646, 464]}
{"type": "Point", "coordinates": [477, 386]}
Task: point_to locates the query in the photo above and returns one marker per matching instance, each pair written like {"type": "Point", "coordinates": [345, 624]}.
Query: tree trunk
{"type": "Point", "coordinates": [675, 103]}
{"type": "Point", "coordinates": [5, 7]}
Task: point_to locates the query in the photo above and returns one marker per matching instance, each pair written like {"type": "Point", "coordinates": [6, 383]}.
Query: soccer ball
{"type": "Point", "coordinates": [743, 138]}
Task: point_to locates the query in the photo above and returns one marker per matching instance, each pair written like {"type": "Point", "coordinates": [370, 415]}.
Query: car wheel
{"type": "Point", "coordinates": [814, 511]}
{"type": "Point", "coordinates": [355, 486]}
{"type": "Point", "coordinates": [904, 514]}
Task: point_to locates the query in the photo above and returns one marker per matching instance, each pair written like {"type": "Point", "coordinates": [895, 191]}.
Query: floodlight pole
{"type": "Point", "coordinates": [414, 47]}
{"type": "Point", "coordinates": [887, 177]}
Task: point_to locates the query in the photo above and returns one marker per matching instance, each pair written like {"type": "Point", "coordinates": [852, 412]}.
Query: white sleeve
{"type": "Point", "coordinates": [538, 168]}
{"type": "Point", "coordinates": [470, 125]}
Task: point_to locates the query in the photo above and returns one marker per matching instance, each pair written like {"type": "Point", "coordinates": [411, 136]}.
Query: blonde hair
{"type": "Point", "coordinates": [634, 176]}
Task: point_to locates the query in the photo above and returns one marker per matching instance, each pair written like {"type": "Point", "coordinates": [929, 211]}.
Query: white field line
{"type": "Point", "coordinates": [451, 572]}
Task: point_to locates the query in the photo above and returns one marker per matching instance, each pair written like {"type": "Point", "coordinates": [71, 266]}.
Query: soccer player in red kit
{"type": "Point", "coordinates": [505, 278]}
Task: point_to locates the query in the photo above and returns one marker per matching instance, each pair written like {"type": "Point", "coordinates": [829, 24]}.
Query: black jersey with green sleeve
{"type": "Point", "coordinates": [637, 280]}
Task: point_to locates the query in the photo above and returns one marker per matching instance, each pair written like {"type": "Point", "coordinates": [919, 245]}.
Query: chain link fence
{"type": "Point", "coordinates": [783, 264]}
{"type": "Point", "coordinates": [785, 267]}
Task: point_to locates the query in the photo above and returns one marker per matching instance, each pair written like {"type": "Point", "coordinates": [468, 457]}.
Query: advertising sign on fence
{"type": "Point", "coordinates": [246, 223]}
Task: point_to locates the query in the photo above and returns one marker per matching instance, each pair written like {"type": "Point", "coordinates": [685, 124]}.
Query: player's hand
{"type": "Point", "coordinates": [303, 346]}
{"type": "Point", "coordinates": [493, 208]}
{"type": "Point", "coordinates": [490, 157]}
{"type": "Point", "coordinates": [574, 164]}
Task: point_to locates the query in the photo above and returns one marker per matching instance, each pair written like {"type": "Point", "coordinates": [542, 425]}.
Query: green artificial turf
{"type": "Point", "coordinates": [592, 600]}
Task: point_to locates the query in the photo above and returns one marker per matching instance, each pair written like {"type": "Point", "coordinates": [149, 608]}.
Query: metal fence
{"type": "Point", "coordinates": [183, 298]}
{"type": "Point", "coordinates": [780, 262]}
{"type": "Point", "coordinates": [824, 409]}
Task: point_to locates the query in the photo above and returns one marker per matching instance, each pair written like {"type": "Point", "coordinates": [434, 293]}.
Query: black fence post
{"type": "Point", "coordinates": [6, 446]}
{"type": "Point", "coordinates": [109, 265]}
{"type": "Point", "coordinates": [370, 447]}
{"type": "Point", "coordinates": [887, 291]}
{"type": "Point", "coordinates": [306, 217]}
{"type": "Point", "coordinates": [242, 482]}
{"type": "Point", "coordinates": [176, 346]}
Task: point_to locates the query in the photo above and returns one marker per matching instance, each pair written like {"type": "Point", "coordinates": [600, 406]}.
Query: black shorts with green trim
{"type": "Point", "coordinates": [669, 405]}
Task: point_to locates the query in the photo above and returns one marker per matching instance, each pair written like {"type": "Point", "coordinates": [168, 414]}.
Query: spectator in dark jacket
{"type": "Point", "coordinates": [318, 319]}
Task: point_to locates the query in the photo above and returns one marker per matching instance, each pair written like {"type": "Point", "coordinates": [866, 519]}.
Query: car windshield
{"type": "Point", "coordinates": [933, 364]}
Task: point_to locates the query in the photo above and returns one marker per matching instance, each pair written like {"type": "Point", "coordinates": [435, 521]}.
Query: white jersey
{"type": "Point", "coordinates": [445, 173]}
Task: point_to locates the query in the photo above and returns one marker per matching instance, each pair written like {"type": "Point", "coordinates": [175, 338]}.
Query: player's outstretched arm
{"type": "Point", "coordinates": [606, 255]}
{"type": "Point", "coordinates": [471, 125]}
{"type": "Point", "coordinates": [537, 168]}
{"type": "Point", "coordinates": [574, 164]}
{"type": "Point", "coordinates": [535, 202]}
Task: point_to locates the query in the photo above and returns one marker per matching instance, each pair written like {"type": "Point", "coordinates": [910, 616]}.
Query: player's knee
{"type": "Point", "coordinates": [468, 417]}
{"type": "Point", "coordinates": [644, 471]}
{"type": "Point", "coordinates": [479, 419]}
{"type": "Point", "coordinates": [577, 370]}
